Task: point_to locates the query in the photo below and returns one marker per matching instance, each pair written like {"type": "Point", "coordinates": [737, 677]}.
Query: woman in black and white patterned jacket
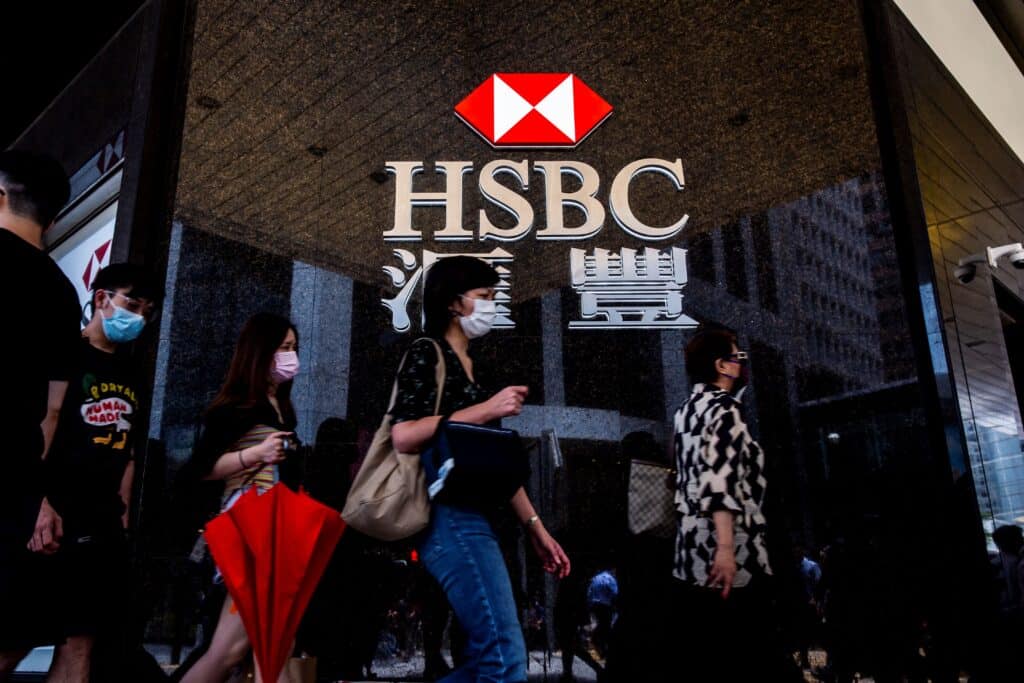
{"type": "Point", "coordinates": [721, 560]}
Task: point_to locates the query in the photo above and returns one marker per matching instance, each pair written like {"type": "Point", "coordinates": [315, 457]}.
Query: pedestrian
{"type": "Point", "coordinates": [1009, 570]}
{"type": "Point", "coordinates": [459, 546]}
{"type": "Point", "coordinates": [806, 603]}
{"type": "Point", "coordinates": [1009, 563]}
{"type": "Point", "coordinates": [639, 649]}
{"type": "Point", "coordinates": [90, 467]}
{"type": "Point", "coordinates": [244, 439]}
{"type": "Point", "coordinates": [39, 347]}
{"type": "Point", "coordinates": [721, 560]}
{"type": "Point", "coordinates": [602, 603]}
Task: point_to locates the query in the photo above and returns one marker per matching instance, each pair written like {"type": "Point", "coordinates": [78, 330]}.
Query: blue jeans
{"type": "Point", "coordinates": [460, 550]}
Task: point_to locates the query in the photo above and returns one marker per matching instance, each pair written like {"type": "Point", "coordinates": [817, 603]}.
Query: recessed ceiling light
{"type": "Point", "coordinates": [207, 102]}
{"type": "Point", "coordinates": [739, 118]}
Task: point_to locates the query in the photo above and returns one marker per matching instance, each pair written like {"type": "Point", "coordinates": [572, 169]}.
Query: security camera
{"type": "Point", "coordinates": [1014, 252]}
{"type": "Point", "coordinates": [966, 268]}
{"type": "Point", "coordinates": [1017, 259]}
{"type": "Point", "coordinates": [965, 274]}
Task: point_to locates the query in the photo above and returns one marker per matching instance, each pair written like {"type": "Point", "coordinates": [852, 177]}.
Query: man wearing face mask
{"type": "Point", "coordinates": [90, 467]}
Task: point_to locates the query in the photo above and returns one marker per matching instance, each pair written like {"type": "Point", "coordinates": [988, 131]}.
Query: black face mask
{"type": "Point", "coordinates": [740, 381]}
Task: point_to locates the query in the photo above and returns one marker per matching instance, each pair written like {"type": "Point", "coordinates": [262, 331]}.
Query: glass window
{"type": "Point", "coordinates": [323, 167]}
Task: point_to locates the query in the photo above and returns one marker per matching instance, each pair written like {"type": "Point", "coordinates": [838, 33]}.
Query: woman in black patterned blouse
{"type": "Point", "coordinates": [459, 547]}
{"type": "Point", "coordinates": [721, 559]}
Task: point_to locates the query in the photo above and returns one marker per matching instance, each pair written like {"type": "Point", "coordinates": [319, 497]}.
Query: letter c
{"type": "Point", "coordinates": [619, 198]}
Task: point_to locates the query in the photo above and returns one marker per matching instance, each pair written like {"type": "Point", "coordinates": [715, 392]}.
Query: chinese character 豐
{"type": "Point", "coordinates": [630, 289]}
{"type": "Point", "coordinates": [410, 276]}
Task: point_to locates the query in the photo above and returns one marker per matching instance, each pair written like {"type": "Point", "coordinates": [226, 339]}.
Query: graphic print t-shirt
{"type": "Point", "coordinates": [94, 441]}
{"type": "Point", "coordinates": [39, 346]}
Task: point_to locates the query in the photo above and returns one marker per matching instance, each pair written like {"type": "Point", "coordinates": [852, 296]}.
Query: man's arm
{"type": "Point", "coordinates": [126, 491]}
{"type": "Point", "coordinates": [54, 401]}
{"type": "Point", "coordinates": [48, 531]}
{"type": "Point", "coordinates": [49, 525]}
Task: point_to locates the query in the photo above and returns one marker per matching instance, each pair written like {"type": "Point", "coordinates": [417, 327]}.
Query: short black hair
{"type": "Point", "coordinates": [704, 350]}
{"type": "Point", "coordinates": [36, 185]}
{"type": "Point", "coordinates": [446, 280]}
{"type": "Point", "coordinates": [138, 281]}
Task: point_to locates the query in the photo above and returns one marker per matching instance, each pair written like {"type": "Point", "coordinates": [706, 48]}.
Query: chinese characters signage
{"type": "Point", "coordinates": [633, 288]}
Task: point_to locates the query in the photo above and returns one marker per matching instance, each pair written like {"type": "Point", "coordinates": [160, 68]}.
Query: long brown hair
{"type": "Point", "coordinates": [248, 379]}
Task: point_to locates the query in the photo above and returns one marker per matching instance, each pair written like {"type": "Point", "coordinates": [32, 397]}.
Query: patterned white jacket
{"type": "Point", "coordinates": [720, 467]}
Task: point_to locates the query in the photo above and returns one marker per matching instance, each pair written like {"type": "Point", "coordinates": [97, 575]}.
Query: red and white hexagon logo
{"type": "Point", "coordinates": [533, 110]}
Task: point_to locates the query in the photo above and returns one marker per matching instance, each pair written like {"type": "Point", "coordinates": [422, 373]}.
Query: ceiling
{"type": "Point", "coordinates": [294, 108]}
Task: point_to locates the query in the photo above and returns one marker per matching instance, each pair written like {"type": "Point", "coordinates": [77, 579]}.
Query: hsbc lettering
{"type": "Point", "coordinates": [519, 208]}
{"type": "Point", "coordinates": [631, 288]}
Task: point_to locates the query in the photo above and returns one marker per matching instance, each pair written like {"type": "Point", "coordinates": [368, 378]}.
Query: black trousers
{"type": "Point", "coordinates": [724, 640]}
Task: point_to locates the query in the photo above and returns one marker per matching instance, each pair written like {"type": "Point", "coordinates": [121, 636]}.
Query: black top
{"type": "Point", "coordinates": [225, 425]}
{"type": "Point", "coordinates": [41, 345]}
{"type": "Point", "coordinates": [417, 383]}
{"type": "Point", "coordinates": [417, 394]}
{"type": "Point", "coordinates": [94, 441]}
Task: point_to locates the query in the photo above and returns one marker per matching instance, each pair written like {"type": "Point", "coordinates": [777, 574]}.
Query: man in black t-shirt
{"type": "Point", "coordinates": [90, 468]}
{"type": "Point", "coordinates": [37, 349]}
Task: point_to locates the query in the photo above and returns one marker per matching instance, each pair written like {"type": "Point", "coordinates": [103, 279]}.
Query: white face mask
{"type": "Point", "coordinates": [481, 319]}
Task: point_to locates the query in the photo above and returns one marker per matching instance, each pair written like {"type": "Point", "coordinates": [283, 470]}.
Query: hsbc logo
{"type": "Point", "coordinates": [634, 288]}
{"type": "Point", "coordinates": [556, 110]}
{"type": "Point", "coordinates": [530, 110]}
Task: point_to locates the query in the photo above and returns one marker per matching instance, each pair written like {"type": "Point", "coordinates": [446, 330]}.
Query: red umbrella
{"type": "Point", "coordinates": [272, 550]}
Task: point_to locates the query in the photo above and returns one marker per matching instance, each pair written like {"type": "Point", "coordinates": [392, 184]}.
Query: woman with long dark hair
{"type": "Point", "coordinates": [244, 438]}
{"type": "Point", "coordinates": [459, 547]}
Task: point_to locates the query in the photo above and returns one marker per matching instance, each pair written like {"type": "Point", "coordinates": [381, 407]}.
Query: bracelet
{"type": "Point", "coordinates": [531, 521]}
{"type": "Point", "coordinates": [242, 460]}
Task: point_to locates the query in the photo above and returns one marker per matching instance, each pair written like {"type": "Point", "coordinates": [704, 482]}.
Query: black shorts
{"type": "Point", "coordinates": [28, 597]}
{"type": "Point", "coordinates": [93, 573]}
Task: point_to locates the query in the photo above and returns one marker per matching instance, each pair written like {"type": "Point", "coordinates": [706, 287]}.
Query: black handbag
{"type": "Point", "coordinates": [474, 466]}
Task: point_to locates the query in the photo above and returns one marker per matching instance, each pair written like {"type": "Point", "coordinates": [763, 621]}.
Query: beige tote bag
{"type": "Point", "coordinates": [388, 499]}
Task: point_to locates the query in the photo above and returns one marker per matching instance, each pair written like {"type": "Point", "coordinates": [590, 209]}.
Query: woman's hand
{"type": "Point", "coordinates": [508, 401]}
{"type": "Point", "coordinates": [723, 569]}
{"type": "Point", "coordinates": [270, 452]}
{"type": "Point", "coordinates": [412, 435]}
{"type": "Point", "coordinates": [552, 557]}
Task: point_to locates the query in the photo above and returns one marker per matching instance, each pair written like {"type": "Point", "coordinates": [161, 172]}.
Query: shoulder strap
{"type": "Point", "coordinates": [439, 375]}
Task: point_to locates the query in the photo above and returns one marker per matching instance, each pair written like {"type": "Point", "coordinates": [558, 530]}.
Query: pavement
{"type": "Point", "coordinates": [542, 669]}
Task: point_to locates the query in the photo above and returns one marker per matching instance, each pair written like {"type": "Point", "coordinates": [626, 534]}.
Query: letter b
{"type": "Point", "coordinates": [583, 199]}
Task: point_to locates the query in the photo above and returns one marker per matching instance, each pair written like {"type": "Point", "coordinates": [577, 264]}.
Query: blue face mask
{"type": "Point", "coordinates": [123, 325]}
